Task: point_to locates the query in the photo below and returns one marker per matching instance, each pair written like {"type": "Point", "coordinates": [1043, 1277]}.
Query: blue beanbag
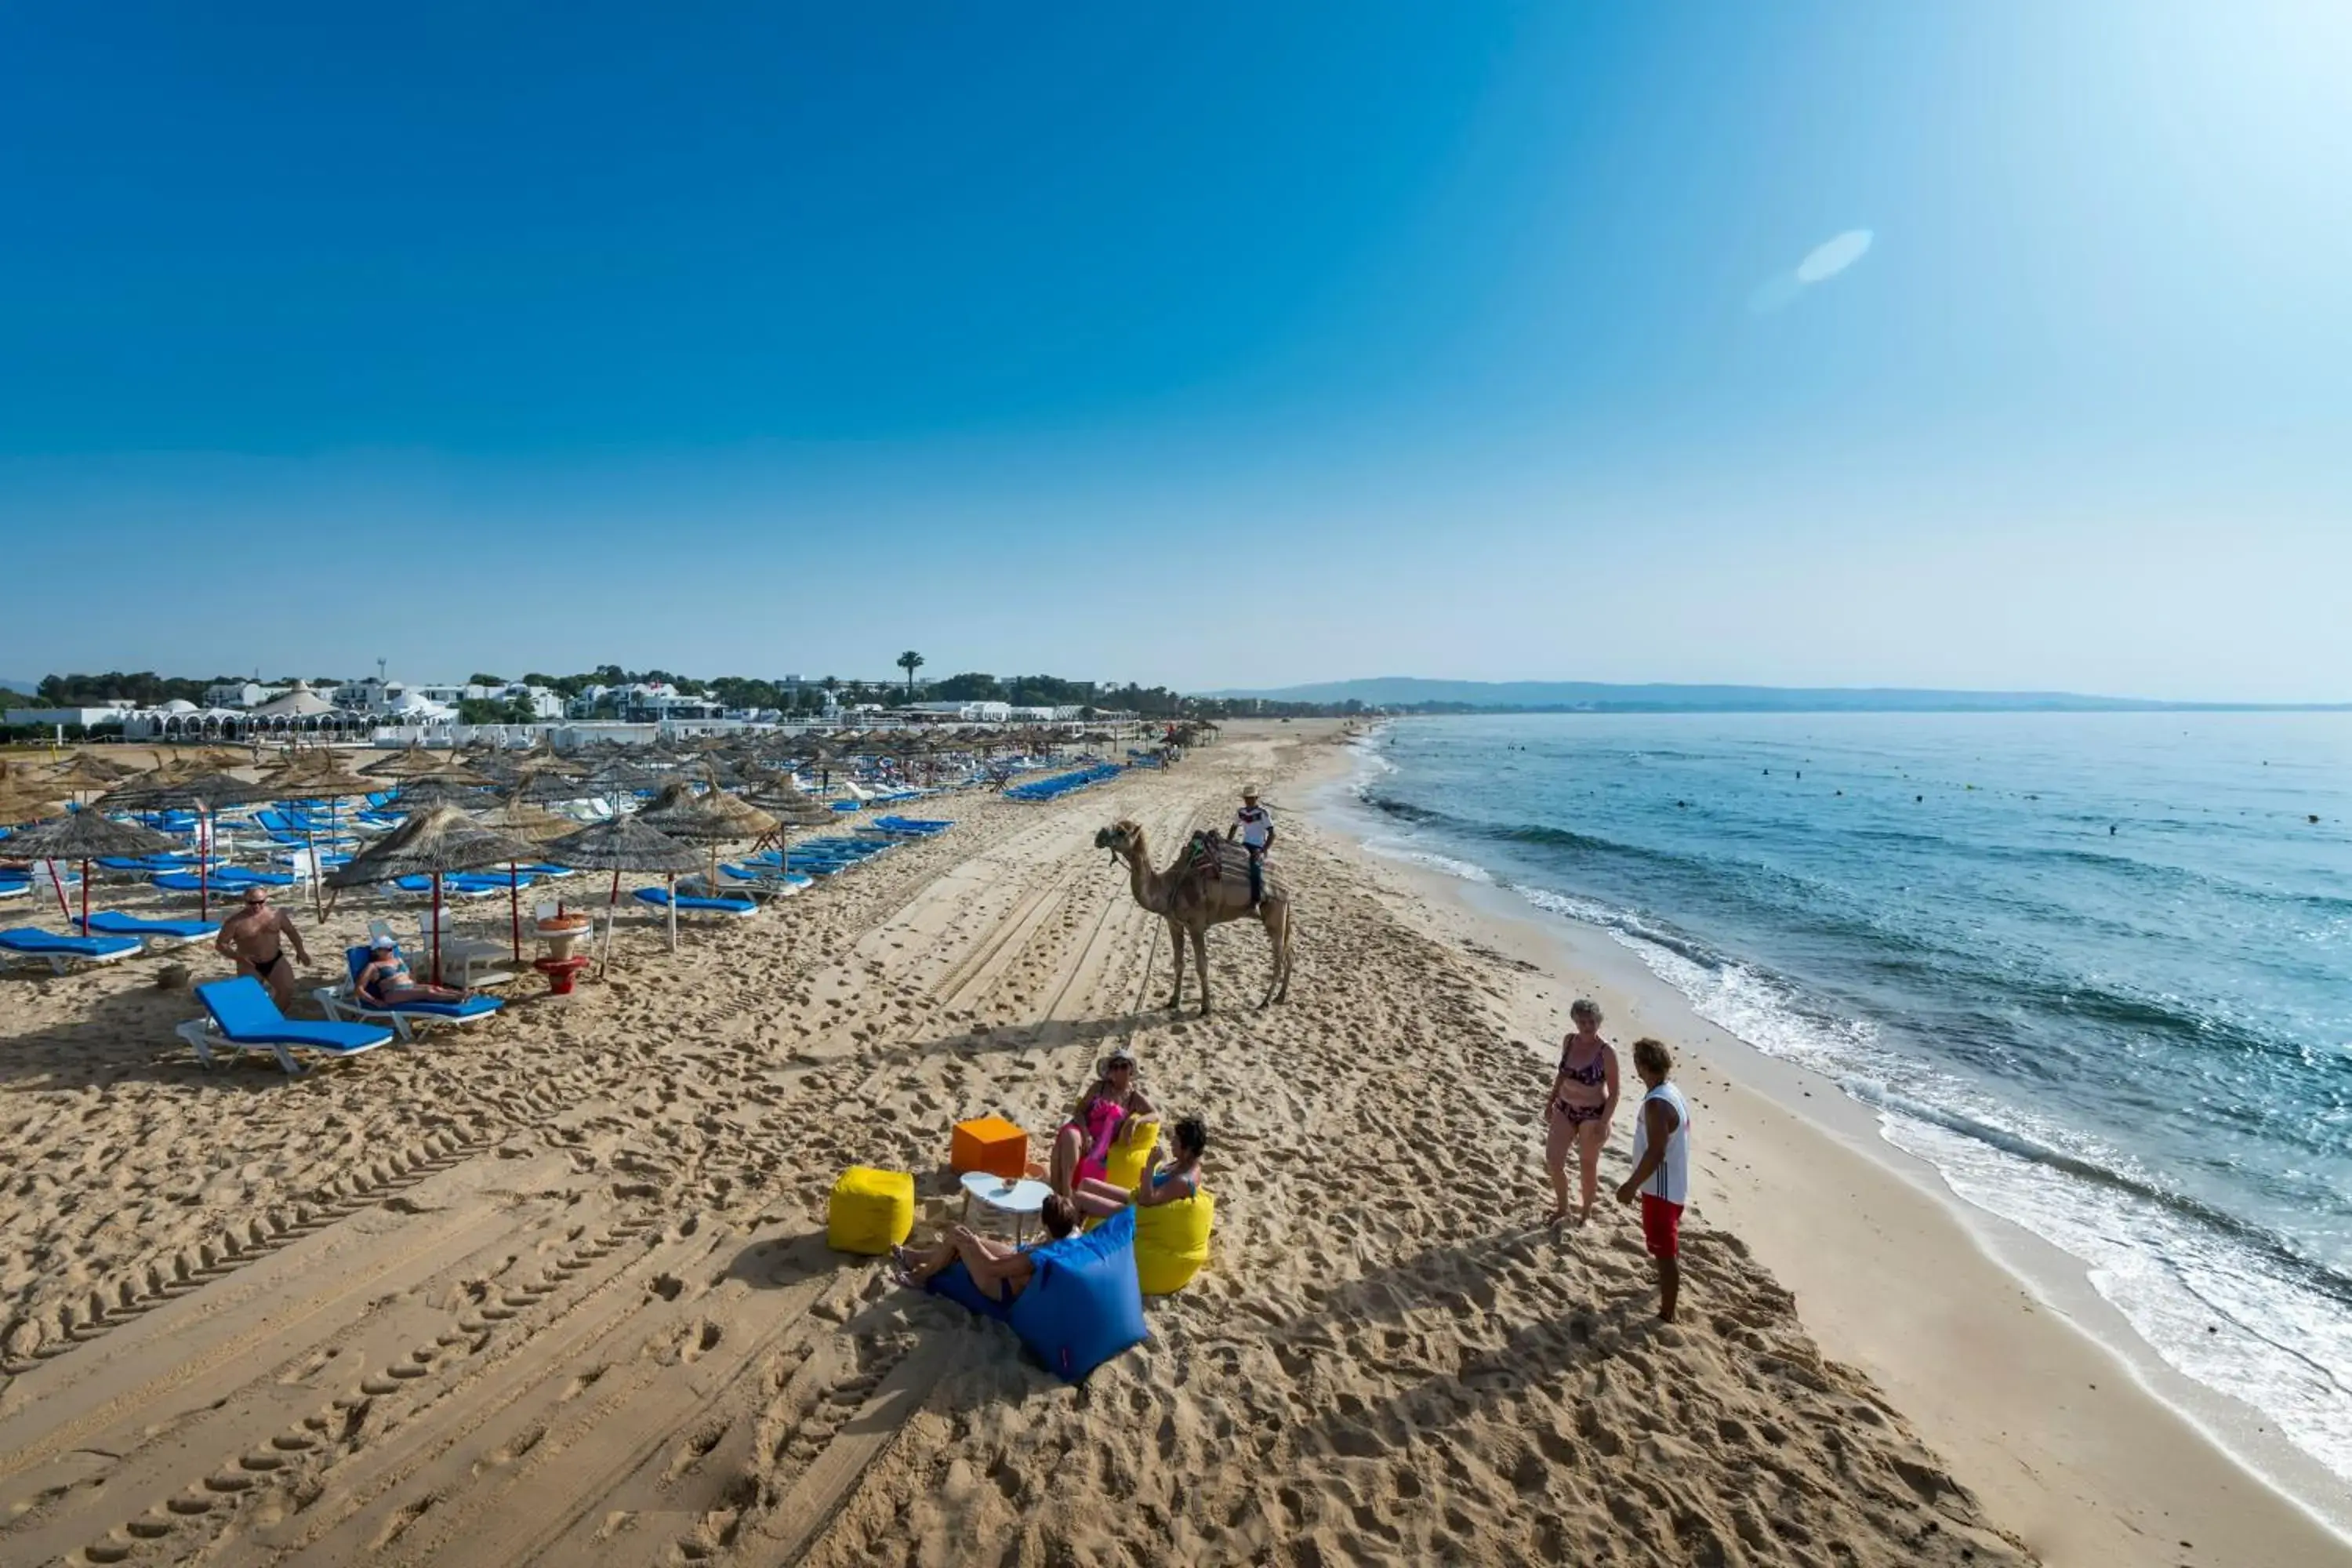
{"type": "Point", "coordinates": [1081, 1307]}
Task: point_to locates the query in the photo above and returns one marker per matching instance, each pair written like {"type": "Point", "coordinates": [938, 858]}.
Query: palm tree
{"type": "Point", "coordinates": [910, 661]}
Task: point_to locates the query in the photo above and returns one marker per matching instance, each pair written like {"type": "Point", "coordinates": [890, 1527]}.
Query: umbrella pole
{"type": "Point", "coordinates": [204, 863]}
{"type": "Point", "coordinates": [437, 928]}
{"type": "Point", "coordinates": [85, 898]}
{"type": "Point", "coordinates": [673, 911]}
{"type": "Point", "coordinates": [318, 872]}
{"type": "Point", "coordinates": [514, 909]}
{"type": "Point", "coordinates": [611, 902]}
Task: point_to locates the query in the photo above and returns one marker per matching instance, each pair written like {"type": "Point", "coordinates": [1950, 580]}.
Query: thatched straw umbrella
{"type": "Point", "coordinates": [316, 775]}
{"type": "Point", "coordinates": [204, 793]}
{"type": "Point", "coordinates": [626, 844]}
{"type": "Point", "coordinates": [519, 819]}
{"type": "Point", "coordinates": [432, 842]}
{"type": "Point", "coordinates": [618, 777]}
{"type": "Point", "coordinates": [27, 795]}
{"type": "Point", "coordinates": [712, 817]}
{"type": "Point", "coordinates": [86, 771]}
{"type": "Point", "coordinates": [788, 808]}
{"type": "Point", "coordinates": [84, 836]}
{"type": "Point", "coordinates": [406, 764]}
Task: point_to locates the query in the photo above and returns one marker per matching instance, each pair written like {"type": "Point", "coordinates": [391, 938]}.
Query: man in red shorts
{"type": "Point", "coordinates": [1661, 1177]}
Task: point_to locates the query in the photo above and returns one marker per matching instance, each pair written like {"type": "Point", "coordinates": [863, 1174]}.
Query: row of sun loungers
{"type": "Point", "coordinates": [1061, 784]}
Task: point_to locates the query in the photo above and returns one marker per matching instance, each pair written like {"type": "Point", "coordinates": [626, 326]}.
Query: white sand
{"type": "Point", "coordinates": [555, 1289]}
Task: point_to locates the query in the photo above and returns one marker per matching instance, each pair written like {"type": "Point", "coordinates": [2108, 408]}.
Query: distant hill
{"type": "Point", "coordinates": [1587, 696]}
{"type": "Point", "coordinates": [22, 688]}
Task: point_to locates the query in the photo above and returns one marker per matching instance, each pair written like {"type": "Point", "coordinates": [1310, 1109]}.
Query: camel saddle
{"type": "Point", "coordinates": [1210, 857]}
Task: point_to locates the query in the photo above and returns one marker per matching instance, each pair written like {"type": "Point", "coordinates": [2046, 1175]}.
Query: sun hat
{"type": "Point", "coordinates": [1119, 1054]}
{"type": "Point", "coordinates": [383, 942]}
{"type": "Point", "coordinates": [1249, 792]}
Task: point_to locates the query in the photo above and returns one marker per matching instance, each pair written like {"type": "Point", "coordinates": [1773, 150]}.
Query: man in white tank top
{"type": "Point", "coordinates": [1661, 1177]}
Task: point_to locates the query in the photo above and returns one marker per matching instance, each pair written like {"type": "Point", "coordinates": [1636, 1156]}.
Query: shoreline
{"type": "Point", "coordinates": [1991, 1341]}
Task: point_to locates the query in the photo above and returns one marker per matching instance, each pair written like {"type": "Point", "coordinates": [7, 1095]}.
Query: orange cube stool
{"type": "Point", "coordinates": [991, 1144]}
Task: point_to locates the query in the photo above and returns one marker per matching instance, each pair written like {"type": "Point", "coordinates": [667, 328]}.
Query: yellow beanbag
{"type": "Point", "coordinates": [1171, 1243]}
{"type": "Point", "coordinates": [872, 1210]}
{"type": "Point", "coordinates": [1123, 1165]}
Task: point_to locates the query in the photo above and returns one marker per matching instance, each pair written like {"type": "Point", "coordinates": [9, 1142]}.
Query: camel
{"type": "Point", "coordinates": [1190, 900]}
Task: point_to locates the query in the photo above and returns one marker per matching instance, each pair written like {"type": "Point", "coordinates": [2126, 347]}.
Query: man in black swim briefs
{"type": "Point", "coordinates": [256, 937]}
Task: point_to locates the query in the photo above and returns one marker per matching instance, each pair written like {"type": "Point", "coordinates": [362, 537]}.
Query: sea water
{"type": "Point", "coordinates": [2096, 968]}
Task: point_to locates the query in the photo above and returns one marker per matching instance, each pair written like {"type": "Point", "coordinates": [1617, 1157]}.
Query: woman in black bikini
{"type": "Point", "coordinates": [1583, 1102]}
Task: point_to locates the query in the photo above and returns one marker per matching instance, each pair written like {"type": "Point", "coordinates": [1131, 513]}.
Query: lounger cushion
{"type": "Point", "coordinates": [113, 922]}
{"type": "Point", "coordinates": [241, 1009]}
{"type": "Point", "coordinates": [660, 896]}
{"type": "Point", "coordinates": [24, 940]}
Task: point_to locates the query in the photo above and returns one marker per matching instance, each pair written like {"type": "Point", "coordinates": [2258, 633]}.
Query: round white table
{"type": "Point", "coordinates": [1020, 1199]}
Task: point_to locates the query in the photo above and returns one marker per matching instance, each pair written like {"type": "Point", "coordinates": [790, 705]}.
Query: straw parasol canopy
{"type": "Point", "coordinates": [85, 836]}
{"type": "Point", "coordinates": [790, 808]}
{"type": "Point", "coordinates": [518, 818]}
{"type": "Point", "coordinates": [203, 790]}
{"type": "Point", "coordinates": [624, 844]}
{"type": "Point", "coordinates": [432, 842]}
{"type": "Point", "coordinates": [446, 784]}
{"type": "Point", "coordinates": [404, 765]}
{"type": "Point", "coordinates": [436, 840]}
{"type": "Point", "coordinates": [621, 843]}
{"type": "Point", "coordinates": [88, 771]}
{"type": "Point", "coordinates": [712, 819]}
{"type": "Point", "coordinates": [619, 776]}
{"type": "Point", "coordinates": [316, 775]}
{"type": "Point", "coordinates": [27, 795]}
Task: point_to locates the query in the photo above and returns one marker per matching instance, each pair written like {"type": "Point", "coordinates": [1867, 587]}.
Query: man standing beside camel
{"type": "Point", "coordinates": [1254, 825]}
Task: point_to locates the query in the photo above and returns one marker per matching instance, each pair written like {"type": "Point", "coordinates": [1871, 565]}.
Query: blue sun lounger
{"type": "Point", "coordinates": [688, 904]}
{"type": "Point", "coordinates": [405, 1017]}
{"type": "Point", "coordinates": [459, 885]}
{"type": "Point", "coordinates": [60, 953]}
{"type": "Point", "coordinates": [224, 881]}
{"type": "Point", "coordinates": [157, 935]}
{"type": "Point", "coordinates": [765, 879]}
{"type": "Point", "coordinates": [240, 1016]}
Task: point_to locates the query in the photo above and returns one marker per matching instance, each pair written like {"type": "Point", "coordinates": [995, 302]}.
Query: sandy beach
{"type": "Point", "coordinates": [556, 1289]}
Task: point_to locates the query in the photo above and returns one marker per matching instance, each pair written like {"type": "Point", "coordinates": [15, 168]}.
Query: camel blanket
{"type": "Point", "coordinates": [1210, 857]}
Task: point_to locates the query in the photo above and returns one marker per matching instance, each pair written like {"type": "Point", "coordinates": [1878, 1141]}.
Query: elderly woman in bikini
{"type": "Point", "coordinates": [1110, 1111]}
{"type": "Point", "coordinates": [1579, 1110]}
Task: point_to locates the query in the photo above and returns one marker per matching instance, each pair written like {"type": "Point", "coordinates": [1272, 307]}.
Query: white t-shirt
{"type": "Point", "coordinates": [1670, 1180]}
{"type": "Point", "coordinates": [1256, 824]}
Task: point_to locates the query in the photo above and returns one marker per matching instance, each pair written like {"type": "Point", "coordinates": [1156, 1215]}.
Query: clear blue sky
{"type": "Point", "coordinates": [1214, 345]}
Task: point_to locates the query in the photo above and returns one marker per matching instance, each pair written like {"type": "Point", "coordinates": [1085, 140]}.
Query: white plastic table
{"type": "Point", "coordinates": [1020, 1199]}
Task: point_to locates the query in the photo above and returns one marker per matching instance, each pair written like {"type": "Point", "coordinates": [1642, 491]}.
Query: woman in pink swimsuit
{"type": "Point", "coordinates": [1577, 1113]}
{"type": "Point", "coordinates": [1110, 1109]}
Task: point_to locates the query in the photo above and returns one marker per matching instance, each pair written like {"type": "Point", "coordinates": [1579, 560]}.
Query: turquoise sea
{"type": "Point", "coordinates": [2096, 968]}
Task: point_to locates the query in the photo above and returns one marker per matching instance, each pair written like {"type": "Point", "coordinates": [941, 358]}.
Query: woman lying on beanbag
{"type": "Point", "coordinates": [1001, 1271]}
{"type": "Point", "coordinates": [1180, 1180]}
